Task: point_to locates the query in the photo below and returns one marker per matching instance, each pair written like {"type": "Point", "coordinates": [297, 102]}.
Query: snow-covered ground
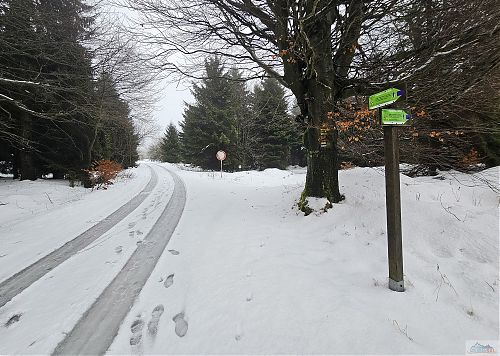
{"type": "Point", "coordinates": [50, 307]}
{"type": "Point", "coordinates": [246, 273]}
{"type": "Point", "coordinates": [254, 276]}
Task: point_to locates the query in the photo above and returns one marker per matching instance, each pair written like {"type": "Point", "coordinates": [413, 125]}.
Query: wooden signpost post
{"type": "Point", "coordinates": [390, 120]}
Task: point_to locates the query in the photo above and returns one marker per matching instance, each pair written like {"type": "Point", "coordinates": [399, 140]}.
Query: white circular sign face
{"type": "Point", "coordinates": [221, 155]}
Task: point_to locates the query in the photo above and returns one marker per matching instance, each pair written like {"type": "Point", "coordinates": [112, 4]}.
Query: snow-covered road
{"type": "Point", "coordinates": [96, 330]}
{"type": "Point", "coordinates": [41, 316]}
{"type": "Point", "coordinates": [26, 277]}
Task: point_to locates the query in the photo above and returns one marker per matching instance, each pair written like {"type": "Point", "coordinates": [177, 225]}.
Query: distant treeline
{"type": "Point", "coordinates": [255, 128]}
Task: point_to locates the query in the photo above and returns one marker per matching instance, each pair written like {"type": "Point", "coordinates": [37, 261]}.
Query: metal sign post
{"type": "Point", "coordinates": [221, 156]}
{"type": "Point", "coordinates": [390, 120]}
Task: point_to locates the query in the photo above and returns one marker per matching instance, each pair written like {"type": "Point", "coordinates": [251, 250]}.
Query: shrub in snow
{"type": "Point", "coordinates": [101, 174]}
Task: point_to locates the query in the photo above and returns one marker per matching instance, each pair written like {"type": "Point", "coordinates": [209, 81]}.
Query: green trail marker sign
{"type": "Point", "coordinates": [394, 117]}
{"type": "Point", "coordinates": [384, 98]}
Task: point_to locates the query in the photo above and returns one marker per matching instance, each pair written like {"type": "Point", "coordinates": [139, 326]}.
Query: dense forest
{"type": "Point", "coordinates": [61, 102]}
{"type": "Point", "coordinates": [254, 128]}
{"type": "Point", "coordinates": [274, 84]}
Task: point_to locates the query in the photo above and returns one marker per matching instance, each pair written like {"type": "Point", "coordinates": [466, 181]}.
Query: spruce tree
{"type": "Point", "coordinates": [171, 145]}
{"type": "Point", "coordinates": [209, 124]}
{"type": "Point", "coordinates": [273, 129]}
{"type": "Point", "coordinates": [50, 84]}
{"type": "Point", "coordinates": [240, 108]}
{"type": "Point", "coordinates": [19, 49]}
{"type": "Point", "coordinates": [113, 136]}
{"type": "Point", "coordinates": [65, 144]}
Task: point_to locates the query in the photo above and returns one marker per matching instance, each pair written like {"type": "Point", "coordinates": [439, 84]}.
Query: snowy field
{"type": "Point", "coordinates": [246, 273]}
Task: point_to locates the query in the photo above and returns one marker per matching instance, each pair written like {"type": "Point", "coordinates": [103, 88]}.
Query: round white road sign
{"type": "Point", "coordinates": [221, 155]}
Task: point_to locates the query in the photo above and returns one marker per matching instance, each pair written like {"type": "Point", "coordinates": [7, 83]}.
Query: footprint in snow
{"type": "Point", "coordinates": [155, 319]}
{"type": "Point", "coordinates": [136, 326]}
{"type": "Point", "coordinates": [239, 333]}
{"type": "Point", "coordinates": [135, 339]}
{"type": "Point", "coordinates": [169, 281]}
{"type": "Point", "coordinates": [174, 252]}
{"type": "Point", "coordinates": [13, 319]}
{"type": "Point", "coordinates": [181, 325]}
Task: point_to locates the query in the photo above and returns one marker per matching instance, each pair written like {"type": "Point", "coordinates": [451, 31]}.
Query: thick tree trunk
{"type": "Point", "coordinates": [317, 106]}
{"type": "Point", "coordinates": [27, 167]}
{"type": "Point", "coordinates": [322, 162]}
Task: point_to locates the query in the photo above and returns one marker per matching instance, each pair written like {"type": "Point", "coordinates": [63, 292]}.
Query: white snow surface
{"type": "Point", "coordinates": [253, 275]}
{"type": "Point", "coordinates": [50, 307]}
{"type": "Point", "coordinates": [40, 216]}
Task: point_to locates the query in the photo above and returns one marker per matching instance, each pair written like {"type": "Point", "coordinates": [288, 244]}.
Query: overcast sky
{"type": "Point", "coordinates": [171, 105]}
{"type": "Point", "coordinates": [172, 98]}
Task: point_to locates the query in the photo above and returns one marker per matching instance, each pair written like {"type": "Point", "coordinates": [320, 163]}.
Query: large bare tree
{"type": "Point", "coordinates": [307, 45]}
{"type": "Point", "coordinates": [322, 50]}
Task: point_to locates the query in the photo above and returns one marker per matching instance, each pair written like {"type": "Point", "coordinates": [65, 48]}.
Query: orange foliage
{"type": "Point", "coordinates": [103, 172]}
{"type": "Point", "coordinates": [346, 165]}
{"type": "Point", "coordinates": [471, 158]}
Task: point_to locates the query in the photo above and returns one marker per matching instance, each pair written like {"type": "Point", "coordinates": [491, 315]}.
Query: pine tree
{"type": "Point", "coordinates": [241, 112]}
{"type": "Point", "coordinates": [171, 145]}
{"type": "Point", "coordinates": [50, 86]}
{"type": "Point", "coordinates": [66, 63]}
{"type": "Point", "coordinates": [19, 48]}
{"type": "Point", "coordinates": [209, 124]}
{"type": "Point", "coordinates": [273, 129]}
{"type": "Point", "coordinates": [114, 136]}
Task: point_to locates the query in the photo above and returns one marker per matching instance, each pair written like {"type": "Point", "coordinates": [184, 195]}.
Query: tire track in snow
{"type": "Point", "coordinates": [29, 275]}
{"type": "Point", "coordinates": [98, 326]}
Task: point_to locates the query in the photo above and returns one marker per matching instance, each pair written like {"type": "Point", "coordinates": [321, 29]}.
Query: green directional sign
{"type": "Point", "coordinates": [384, 98]}
{"type": "Point", "coordinates": [394, 117]}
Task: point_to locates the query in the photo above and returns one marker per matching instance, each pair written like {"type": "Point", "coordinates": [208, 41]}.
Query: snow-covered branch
{"type": "Point", "coordinates": [22, 82]}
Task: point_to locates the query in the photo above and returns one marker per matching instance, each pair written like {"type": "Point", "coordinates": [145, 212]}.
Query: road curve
{"type": "Point", "coordinates": [26, 277]}
{"type": "Point", "coordinates": [98, 326]}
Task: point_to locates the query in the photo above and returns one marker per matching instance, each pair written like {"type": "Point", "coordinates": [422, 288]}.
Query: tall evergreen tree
{"type": "Point", "coordinates": [113, 136]}
{"type": "Point", "coordinates": [67, 66]}
{"type": "Point", "coordinates": [49, 78]}
{"type": "Point", "coordinates": [240, 109]}
{"type": "Point", "coordinates": [273, 129]}
{"type": "Point", "coordinates": [19, 48]}
{"type": "Point", "coordinates": [209, 124]}
{"type": "Point", "coordinates": [171, 145]}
